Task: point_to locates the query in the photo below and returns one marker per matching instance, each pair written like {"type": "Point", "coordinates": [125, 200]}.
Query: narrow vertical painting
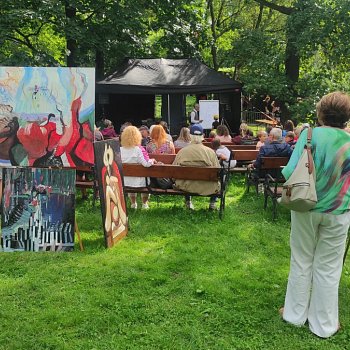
{"type": "Point", "coordinates": [38, 209]}
{"type": "Point", "coordinates": [109, 169]}
{"type": "Point", "coordinates": [47, 116]}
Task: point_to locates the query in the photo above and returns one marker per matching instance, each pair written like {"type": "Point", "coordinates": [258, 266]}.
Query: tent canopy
{"type": "Point", "coordinates": [166, 76]}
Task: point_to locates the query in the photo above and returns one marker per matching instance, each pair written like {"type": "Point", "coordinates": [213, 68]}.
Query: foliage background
{"type": "Point", "coordinates": [293, 50]}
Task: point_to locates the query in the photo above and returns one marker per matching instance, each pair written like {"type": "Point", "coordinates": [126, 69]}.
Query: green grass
{"type": "Point", "coordinates": [179, 280]}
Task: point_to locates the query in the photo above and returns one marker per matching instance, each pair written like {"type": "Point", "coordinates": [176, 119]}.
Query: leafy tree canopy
{"type": "Point", "coordinates": [294, 50]}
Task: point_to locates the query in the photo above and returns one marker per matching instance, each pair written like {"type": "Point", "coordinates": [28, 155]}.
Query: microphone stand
{"type": "Point", "coordinates": [224, 122]}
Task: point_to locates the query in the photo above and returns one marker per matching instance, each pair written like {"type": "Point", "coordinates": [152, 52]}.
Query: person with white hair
{"type": "Point", "coordinates": [275, 148]}
{"type": "Point", "coordinates": [197, 155]}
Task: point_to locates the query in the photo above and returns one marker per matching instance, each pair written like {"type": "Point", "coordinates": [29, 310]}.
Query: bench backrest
{"type": "Point", "coordinates": [273, 162]}
{"type": "Point", "coordinates": [245, 155]}
{"type": "Point", "coordinates": [240, 155]}
{"type": "Point", "coordinates": [173, 171]}
{"type": "Point", "coordinates": [85, 168]}
{"type": "Point", "coordinates": [232, 146]}
{"type": "Point", "coordinates": [164, 158]}
{"type": "Point", "coordinates": [241, 147]}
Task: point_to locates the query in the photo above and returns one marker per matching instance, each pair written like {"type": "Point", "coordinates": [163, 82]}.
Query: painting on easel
{"type": "Point", "coordinates": [47, 116]}
{"type": "Point", "coordinates": [108, 170]}
{"type": "Point", "coordinates": [38, 209]}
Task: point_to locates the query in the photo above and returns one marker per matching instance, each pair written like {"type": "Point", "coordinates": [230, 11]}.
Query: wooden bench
{"type": "Point", "coordinates": [232, 146]}
{"type": "Point", "coordinates": [181, 173]}
{"type": "Point", "coordinates": [243, 158]}
{"type": "Point", "coordinates": [270, 165]}
{"type": "Point", "coordinates": [164, 158]}
{"type": "Point", "coordinates": [85, 179]}
{"type": "Point", "coordinates": [273, 180]}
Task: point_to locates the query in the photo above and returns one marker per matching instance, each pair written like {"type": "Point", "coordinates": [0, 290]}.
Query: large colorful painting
{"type": "Point", "coordinates": [47, 116]}
{"type": "Point", "coordinates": [38, 209]}
{"type": "Point", "coordinates": [108, 169]}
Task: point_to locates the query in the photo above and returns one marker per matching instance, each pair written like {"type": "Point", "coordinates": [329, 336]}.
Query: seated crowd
{"type": "Point", "coordinates": [139, 144]}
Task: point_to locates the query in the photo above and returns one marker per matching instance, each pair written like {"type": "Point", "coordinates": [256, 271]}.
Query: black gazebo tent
{"type": "Point", "coordinates": [175, 78]}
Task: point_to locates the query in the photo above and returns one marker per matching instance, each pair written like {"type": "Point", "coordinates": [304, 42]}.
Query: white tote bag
{"type": "Point", "coordinates": [299, 191]}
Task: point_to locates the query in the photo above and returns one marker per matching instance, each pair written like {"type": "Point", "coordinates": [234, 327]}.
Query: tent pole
{"type": "Point", "coordinates": [169, 113]}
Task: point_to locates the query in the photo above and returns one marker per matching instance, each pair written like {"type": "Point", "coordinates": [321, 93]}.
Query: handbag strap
{"type": "Point", "coordinates": [310, 164]}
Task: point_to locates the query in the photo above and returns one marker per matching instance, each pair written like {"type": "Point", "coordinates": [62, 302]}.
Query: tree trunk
{"type": "Point", "coordinates": [71, 13]}
{"type": "Point", "coordinates": [100, 65]}
{"type": "Point", "coordinates": [213, 47]}
{"type": "Point", "coordinates": [292, 62]}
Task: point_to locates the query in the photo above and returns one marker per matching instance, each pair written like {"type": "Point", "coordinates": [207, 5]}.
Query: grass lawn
{"type": "Point", "coordinates": [179, 280]}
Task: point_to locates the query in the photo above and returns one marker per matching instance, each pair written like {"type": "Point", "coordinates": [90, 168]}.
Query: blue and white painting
{"type": "Point", "coordinates": [38, 209]}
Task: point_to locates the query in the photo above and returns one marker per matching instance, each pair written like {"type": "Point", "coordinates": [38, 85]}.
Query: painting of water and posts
{"type": "Point", "coordinates": [37, 209]}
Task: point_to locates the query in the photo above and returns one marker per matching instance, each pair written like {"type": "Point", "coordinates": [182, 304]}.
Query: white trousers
{"type": "Point", "coordinates": [317, 243]}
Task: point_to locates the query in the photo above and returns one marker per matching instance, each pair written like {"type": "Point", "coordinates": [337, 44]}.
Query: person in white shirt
{"type": "Point", "coordinates": [131, 153]}
{"type": "Point", "coordinates": [195, 114]}
{"type": "Point", "coordinates": [223, 153]}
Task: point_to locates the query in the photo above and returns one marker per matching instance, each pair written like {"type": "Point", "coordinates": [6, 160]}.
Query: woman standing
{"type": "Point", "coordinates": [318, 237]}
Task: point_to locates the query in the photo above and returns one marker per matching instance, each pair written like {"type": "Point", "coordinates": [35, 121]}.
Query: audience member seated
{"type": "Point", "coordinates": [212, 135]}
{"type": "Point", "coordinates": [131, 153]}
{"type": "Point", "coordinates": [223, 153]}
{"type": "Point", "coordinates": [262, 136]}
{"type": "Point", "coordinates": [197, 155]}
{"type": "Point", "coordinates": [297, 132]}
{"type": "Point", "coordinates": [160, 144]}
{"type": "Point", "coordinates": [165, 127]}
{"type": "Point", "coordinates": [108, 132]}
{"type": "Point", "coordinates": [249, 138]}
{"type": "Point", "coordinates": [288, 126]}
{"type": "Point", "coordinates": [146, 139]}
{"type": "Point", "coordinates": [290, 139]}
{"type": "Point", "coordinates": [223, 134]}
{"type": "Point", "coordinates": [276, 148]}
{"type": "Point", "coordinates": [97, 134]}
{"type": "Point", "coordinates": [245, 136]}
{"type": "Point", "coordinates": [184, 138]}
{"type": "Point", "coordinates": [123, 126]}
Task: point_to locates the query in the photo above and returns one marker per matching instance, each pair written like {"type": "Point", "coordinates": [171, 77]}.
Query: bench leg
{"type": "Point", "coordinates": [222, 206]}
{"type": "Point", "coordinates": [247, 183]}
{"type": "Point", "coordinates": [265, 200]}
{"type": "Point", "coordinates": [274, 208]}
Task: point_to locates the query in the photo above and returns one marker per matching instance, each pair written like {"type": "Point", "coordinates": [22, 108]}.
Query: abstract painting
{"type": "Point", "coordinates": [108, 170]}
{"type": "Point", "coordinates": [47, 116]}
{"type": "Point", "coordinates": [38, 209]}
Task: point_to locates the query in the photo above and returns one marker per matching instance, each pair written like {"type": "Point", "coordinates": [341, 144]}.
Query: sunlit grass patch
{"type": "Point", "coordinates": [180, 280]}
